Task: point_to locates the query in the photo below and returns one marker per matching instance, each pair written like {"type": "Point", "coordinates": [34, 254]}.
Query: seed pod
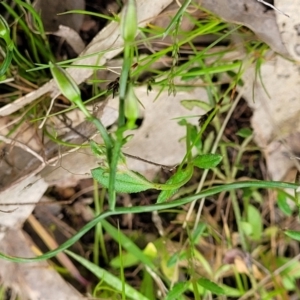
{"type": "Point", "coordinates": [129, 22]}
{"type": "Point", "coordinates": [131, 106]}
{"type": "Point", "coordinates": [68, 87]}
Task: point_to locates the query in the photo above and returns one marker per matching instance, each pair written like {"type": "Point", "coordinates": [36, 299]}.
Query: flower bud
{"type": "Point", "coordinates": [129, 21]}
{"type": "Point", "coordinates": [68, 87]}
{"type": "Point", "coordinates": [131, 106]}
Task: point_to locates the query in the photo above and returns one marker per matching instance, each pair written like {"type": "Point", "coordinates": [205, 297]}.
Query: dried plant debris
{"type": "Point", "coordinates": [289, 28]}
{"type": "Point", "coordinates": [276, 112]}
{"type": "Point", "coordinates": [18, 163]}
{"type": "Point", "coordinates": [50, 10]}
{"type": "Point", "coordinates": [253, 15]}
{"type": "Point", "coordinates": [34, 281]}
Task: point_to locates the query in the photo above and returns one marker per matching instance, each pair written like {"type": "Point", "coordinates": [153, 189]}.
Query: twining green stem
{"type": "Point", "coordinates": [63, 143]}
{"type": "Point", "coordinates": [112, 152]}
{"type": "Point", "coordinates": [151, 208]}
{"type": "Point", "coordinates": [124, 82]}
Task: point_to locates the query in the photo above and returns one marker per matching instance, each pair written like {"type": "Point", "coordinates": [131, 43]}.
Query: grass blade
{"type": "Point", "coordinates": [108, 278]}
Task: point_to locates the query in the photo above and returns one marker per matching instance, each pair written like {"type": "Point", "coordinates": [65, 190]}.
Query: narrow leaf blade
{"type": "Point", "coordinates": [294, 234]}
{"type": "Point", "coordinates": [128, 244]}
{"type": "Point", "coordinates": [210, 286]}
{"type": "Point", "coordinates": [177, 290]}
{"type": "Point", "coordinates": [107, 277]}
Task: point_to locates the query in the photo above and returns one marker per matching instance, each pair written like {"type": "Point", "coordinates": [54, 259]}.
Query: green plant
{"type": "Point", "coordinates": [218, 171]}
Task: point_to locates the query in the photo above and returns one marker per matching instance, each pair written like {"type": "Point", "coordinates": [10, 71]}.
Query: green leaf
{"type": "Point", "coordinates": [211, 286]}
{"type": "Point", "coordinates": [190, 104]}
{"type": "Point", "coordinates": [127, 260]}
{"type": "Point", "coordinates": [6, 63]}
{"type": "Point", "coordinates": [177, 290]}
{"type": "Point", "coordinates": [127, 244]}
{"type": "Point", "coordinates": [290, 270]}
{"type": "Point", "coordinates": [194, 137]}
{"type": "Point", "coordinates": [293, 234]}
{"type": "Point", "coordinates": [193, 71]}
{"type": "Point", "coordinates": [108, 278]}
{"type": "Point", "coordinates": [150, 250]}
{"type": "Point", "coordinates": [198, 232]}
{"type": "Point", "coordinates": [207, 161]}
{"type": "Point", "coordinates": [230, 291]}
{"type": "Point", "coordinates": [5, 33]}
{"type": "Point", "coordinates": [130, 259]}
{"type": "Point", "coordinates": [288, 283]}
{"type": "Point", "coordinates": [247, 228]}
{"type": "Point", "coordinates": [254, 218]}
{"type": "Point", "coordinates": [131, 106]}
{"type": "Point", "coordinates": [126, 181]}
{"type": "Point", "coordinates": [180, 178]}
{"type": "Point", "coordinates": [175, 258]}
{"type": "Point", "coordinates": [177, 17]}
{"type": "Point", "coordinates": [282, 202]}
{"type": "Point", "coordinates": [244, 132]}
{"type": "Point", "coordinates": [147, 287]}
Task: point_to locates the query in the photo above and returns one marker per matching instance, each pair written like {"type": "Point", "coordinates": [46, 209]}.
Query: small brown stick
{"type": "Point", "coordinates": [150, 162]}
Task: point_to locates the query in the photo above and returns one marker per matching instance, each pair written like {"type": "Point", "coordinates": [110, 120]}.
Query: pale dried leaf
{"type": "Point", "coordinates": [71, 37]}
{"type": "Point", "coordinates": [49, 10]}
{"type": "Point", "coordinates": [34, 281]}
{"type": "Point", "coordinates": [242, 268]}
{"type": "Point", "coordinates": [289, 27]}
{"type": "Point", "coordinates": [30, 190]}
